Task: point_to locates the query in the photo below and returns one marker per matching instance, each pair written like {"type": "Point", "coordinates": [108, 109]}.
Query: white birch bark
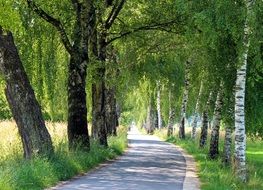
{"type": "Point", "coordinates": [240, 133]}
{"type": "Point", "coordinates": [213, 151]}
{"type": "Point", "coordinates": [184, 102]}
{"type": "Point", "coordinates": [159, 115]}
{"type": "Point", "coordinates": [203, 137]}
{"type": "Point", "coordinates": [194, 124]}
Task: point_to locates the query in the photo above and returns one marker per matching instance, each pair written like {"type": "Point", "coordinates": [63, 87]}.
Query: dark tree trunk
{"type": "Point", "coordinates": [227, 146]}
{"type": "Point", "coordinates": [150, 120]}
{"type": "Point", "coordinates": [111, 115]}
{"type": "Point", "coordinates": [22, 101]}
{"type": "Point", "coordinates": [78, 50]}
{"type": "Point", "coordinates": [182, 128]}
{"type": "Point", "coordinates": [98, 49]}
{"type": "Point", "coordinates": [203, 137]}
{"type": "Point", "coordinates": [77, 110]}
{"type": "Point", "coordinates": [98, 95]}
{"type": "Point", "coordinates": [98, 117]}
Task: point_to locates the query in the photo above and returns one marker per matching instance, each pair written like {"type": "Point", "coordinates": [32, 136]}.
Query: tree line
{"type": "Point", "coordinates": [158, 62]}
{"type": "Point", "coordinates": [210, 71]}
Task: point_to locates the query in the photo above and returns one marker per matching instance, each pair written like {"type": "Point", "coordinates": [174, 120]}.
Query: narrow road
{"type": "Point", "coordinates": [149, 164]}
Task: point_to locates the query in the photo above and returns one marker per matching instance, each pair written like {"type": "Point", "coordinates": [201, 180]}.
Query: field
{"type": "Point", "coordinates": [39, 173]}
{"type": "Point", "coordinates": [213, 175]}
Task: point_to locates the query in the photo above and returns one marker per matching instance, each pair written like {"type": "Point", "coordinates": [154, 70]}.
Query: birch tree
{"type": "Point", "coordinates": [240, 130]}
{"type": "Point", "coordinates": [184, 101]}
{"type": "Point", "coordinates": [194, 124]}
{"type": "Point", "coordinates": [204, 128]}
{"type": "Point", "coordinates": [213, 150]}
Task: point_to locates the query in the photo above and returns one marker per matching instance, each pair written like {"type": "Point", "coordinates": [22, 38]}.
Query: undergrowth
{"type": "Point", "coordinates": [17, 173]}
{"type": "Point", "coordinates": [213, 174]}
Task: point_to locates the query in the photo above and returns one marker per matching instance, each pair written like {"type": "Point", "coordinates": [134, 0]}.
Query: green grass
{"type": "Point", "coordinates": [212, 173]}
{"type": "Point", "coordinates": [39, 173]}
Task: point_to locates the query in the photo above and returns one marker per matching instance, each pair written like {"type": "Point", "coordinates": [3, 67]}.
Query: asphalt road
{"type": "Point", "coordinates": [149, 164]}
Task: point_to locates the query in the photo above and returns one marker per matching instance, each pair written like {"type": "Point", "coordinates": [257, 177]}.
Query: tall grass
{"type": "Point", "coordinates": [39, 173]}
{"type": "Point", "coordinates": [213, 174]}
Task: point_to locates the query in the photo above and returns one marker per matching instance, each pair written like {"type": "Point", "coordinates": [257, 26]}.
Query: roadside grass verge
{"type": "Point", "coordinates": [17, 173]}
{"type": "Point", "coordinates": [213, 174]}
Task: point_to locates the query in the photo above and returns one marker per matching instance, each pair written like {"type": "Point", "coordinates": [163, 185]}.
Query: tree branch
{"type": "Point", "coordinates": [111, 13]}
{"type": "Point", "coordinates": [56, 23]}
{"type": "Point", "coordinates": [114, 13]}
{"type": "Point", "coordinates": [158, 26]}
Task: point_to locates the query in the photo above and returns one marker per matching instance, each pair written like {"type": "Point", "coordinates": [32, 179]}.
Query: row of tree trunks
{"type": "Point", "coordinates": [111, 113]}
{"type": "Point", "coordinates": [22, 101]}
{"type": "Point", "coordinates": [104, 120]}
{"type": "Point", "coordinates": [204, 128]}
{"type": "Point", "coordinates": [194, 124]}
{"type": "Point", "coordinates": [213, 151]}
{"type": "Point", "coordinates": [185, 100]}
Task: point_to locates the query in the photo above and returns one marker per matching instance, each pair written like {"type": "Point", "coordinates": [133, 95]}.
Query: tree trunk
{"type": "Point", "coordinates": [213, 151]}
{"type": "Point", "coordinates": [111, 116]}
{"type": "Point", "coordinates": [185, 100]}
{"type": "Point", "coordinates": [150, 123]}
{"type": "Point", "coordinates": [77, 107]}
{"type": "Point", "coordinates": [98, 49]}
{"type": "Point", "coordinates": [240, 133]}
{"type": "Point", "coordinates": [111, 107]}
{"type": "Point", "coordinates": [171, 116]}
{"type": "Point", "coordinates": [98, 95]}
{"type": "Point", "coordinates": [22, 101]}
{"type": "Point", "coordinates": [204, 128]}
{"type": "Point", "coordinates": [227, 146]}
{"type": "Point", "coordinates": [194, 125]}
{"type": "Point", "coordinates": [159, 113]}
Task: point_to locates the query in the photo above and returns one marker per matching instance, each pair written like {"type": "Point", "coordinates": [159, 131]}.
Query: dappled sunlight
{"type": "Point", "coordinates": [149, 164]}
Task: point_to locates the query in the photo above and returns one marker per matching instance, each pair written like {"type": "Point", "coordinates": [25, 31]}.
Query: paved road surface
{"type": "Point", "coordinates": [149, 164]}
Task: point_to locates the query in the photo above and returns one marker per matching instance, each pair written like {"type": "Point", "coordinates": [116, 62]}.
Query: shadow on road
{"type": "Point", "coordinates": [149, 164]}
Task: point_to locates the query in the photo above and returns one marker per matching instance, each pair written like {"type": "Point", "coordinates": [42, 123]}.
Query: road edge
{"type": "Point", "coordinates": [191, 181]}
{"type": "Point", "coordinates": [91, 170]}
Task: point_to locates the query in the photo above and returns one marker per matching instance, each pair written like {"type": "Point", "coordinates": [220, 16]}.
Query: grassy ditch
{"type": "Point", "coordinates": [39, 173]}
{"type": "Point", "coordinates": [212, 173]}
